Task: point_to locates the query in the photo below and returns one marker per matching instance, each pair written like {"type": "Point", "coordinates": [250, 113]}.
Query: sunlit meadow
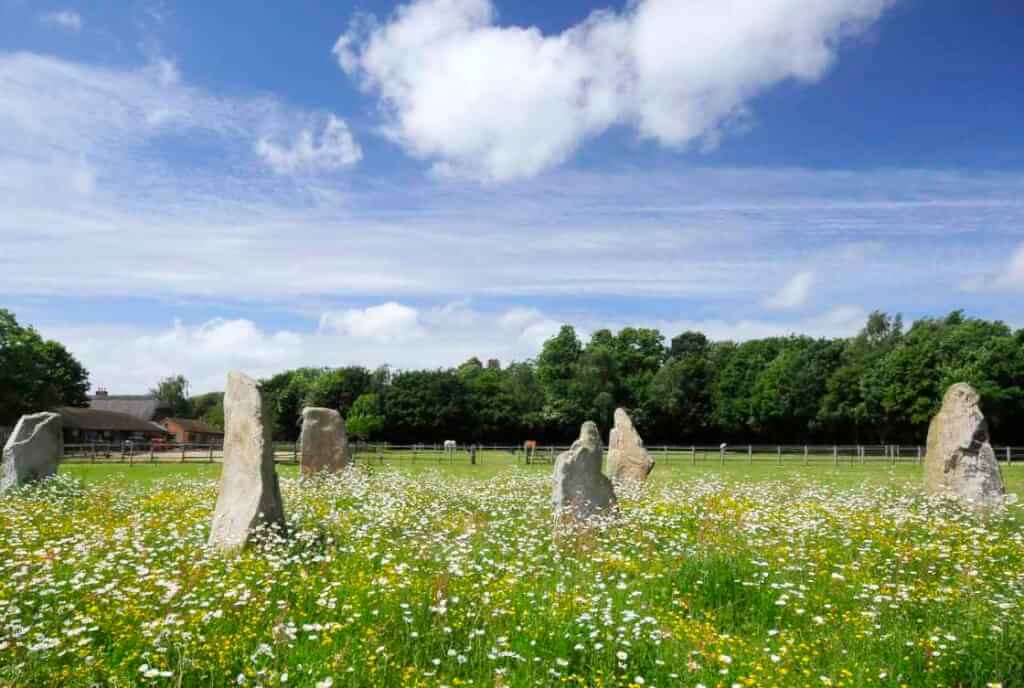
{"type": "Point", "coordinates": [437, 579]}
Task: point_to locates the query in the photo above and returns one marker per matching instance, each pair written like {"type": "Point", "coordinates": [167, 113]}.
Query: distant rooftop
{"type": "Point", "coordinates": [142, 406]}
{"type": "Point", "coordinates": [94, 419]}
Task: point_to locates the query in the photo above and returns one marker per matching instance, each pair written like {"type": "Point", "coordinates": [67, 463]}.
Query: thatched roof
{"type": "Point", "coordinates": [96, 419]}
{"type": "Point", "coordinates": [141, 406]}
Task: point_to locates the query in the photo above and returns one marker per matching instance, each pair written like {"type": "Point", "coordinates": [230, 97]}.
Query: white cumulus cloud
{"type": "Point", "coordinates": [330, 148]}
{"type": "Point", "coordinates": [794, 293]}
{"type": "Point", "coordinates": [500, 102]}
{"type": "Point", "coordinates": [1012, 274]}
{"type": "Point", "coordinates": [387, 322]}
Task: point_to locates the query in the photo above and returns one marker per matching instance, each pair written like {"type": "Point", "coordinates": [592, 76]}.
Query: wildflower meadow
{"type": "Point", "coordinates": [433, 578]}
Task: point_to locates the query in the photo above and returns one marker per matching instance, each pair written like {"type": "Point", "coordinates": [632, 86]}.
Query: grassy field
{"type": "Point", "coordinates": [453, 575]}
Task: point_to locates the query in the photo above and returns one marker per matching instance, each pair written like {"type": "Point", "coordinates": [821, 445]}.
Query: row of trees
{"type": "Point", "coordinates": [882, 385]}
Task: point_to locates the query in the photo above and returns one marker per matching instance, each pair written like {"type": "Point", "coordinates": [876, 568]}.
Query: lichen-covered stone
{"type": "Point", "coordinates": [322, 442]}
{"type": "Point", "coordinates": [628, 460]}
{"type": "Point", "coordinates": [580, 489]}
{"type": "Point", "coordinates": [960, 459]}
{"type": "Point", "coordinates": [33, 451]}
{"type": "Point", "coordinates": [249, 492]}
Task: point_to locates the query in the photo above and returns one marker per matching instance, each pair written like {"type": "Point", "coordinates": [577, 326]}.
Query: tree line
{"type": "Point", "coordinates": [882, 385]}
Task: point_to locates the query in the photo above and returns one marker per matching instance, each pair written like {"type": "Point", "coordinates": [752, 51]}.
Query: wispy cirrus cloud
{"type": "Point", "coordinates": [327, 147]}
{"type": "Point", "coordinates": [64, 19]}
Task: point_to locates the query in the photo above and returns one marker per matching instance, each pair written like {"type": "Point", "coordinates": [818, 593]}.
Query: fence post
{"type": "Point", "coordinates": [835, 455]}
{"type": "Point", "coordinates": [805, 455]}
{"type": "Point", "coordinates": [472, 455]}
{"type": "Point", "coordinates": [93, 453]}
{"type": "Point", "coordinates": [693, 455]}
{"type": "Point", "coordinates": [750, 454]}
{"type": "Point", "coordinates": [778, 451]}
{"type": "Point", "coordinates": [721, 456]}
{"type": "Point", "coordinates": [919, 453]}
{"type": "Point", "coordinates": [131, 461]}
{"type": "Point", "coordinates": [183, 452]}
{"type": "Point", "coordinates": [211, 453]}
{"type": "Point", "coordinates": [1009, 456]}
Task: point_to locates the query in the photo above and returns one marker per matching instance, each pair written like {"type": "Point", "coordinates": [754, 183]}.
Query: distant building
{"type": "Point", "coordinates": [142, 406]}
{"type": "Point", "coordinates": [86, 425]}
{"type": "Point", "coordinates": [192, 431]}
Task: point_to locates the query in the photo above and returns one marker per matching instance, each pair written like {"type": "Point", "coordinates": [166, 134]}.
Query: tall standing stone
{"type": "Point", "coordinates": [581, 489]}
{"type": "Point", "coordinates": [322, 442]}
{"type": "Point", "coordinates": [249, 492]}
{"type": "Point", "coordinates": [628, 460]}
{"type": "Point", "coordinates": [960, 459]}
{"type": "Point", "coordinates": [33, 450]}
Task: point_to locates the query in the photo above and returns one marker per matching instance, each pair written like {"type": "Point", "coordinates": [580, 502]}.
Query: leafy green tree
{"type": "Point", "coordinates": [366, 417]}
{"type": "Point", "coordinates": [338, 388]}
{"type": "Point", "coordinates": [908, 382]}
{"type": "Point", "coordinates": [785, 399]}
{"type": "Point", "coordinates": [556, 372]}
{"type": "Point", "coordinates": [36, 374]}
{"type": "Point", "coordinates": [678, 406]}
{"type": "Point", "coordinates": [173, 391]}
{"type": "Point", "coordinates": [426, 406]}
{"type": "Point", "coordinates": [285, 394]}
{"type": "Point", "coordinates": [209, 408]}
{"type": "Point", "coordinates": [848, 411]}
{"type": "Point", "coordinates": [689, 343]}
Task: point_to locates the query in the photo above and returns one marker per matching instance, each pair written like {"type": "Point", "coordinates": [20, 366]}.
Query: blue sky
{"type": "Point", "coordinates": [192, 187]}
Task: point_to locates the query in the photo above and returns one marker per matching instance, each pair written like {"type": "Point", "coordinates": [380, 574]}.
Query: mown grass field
{"type": "Point", "coordinates": [453, 575]}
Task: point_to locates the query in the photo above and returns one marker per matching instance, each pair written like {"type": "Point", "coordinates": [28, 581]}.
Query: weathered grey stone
{"type": "Point", "coordinates": [960, 459]}
{"type": "Point", "coordinates": [33, 450]}
{"type": "Point", "coordinates": [628, 460]}
{"type": "Point", "coordinates": [249, 492]}
{"type": "Point", "coordinates": [322, 442]}
{"type": "Point", "coordinates": [581, 489]}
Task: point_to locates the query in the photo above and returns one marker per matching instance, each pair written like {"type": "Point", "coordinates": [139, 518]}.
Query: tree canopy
{"type": "Point", "coordinates": [35, 373]}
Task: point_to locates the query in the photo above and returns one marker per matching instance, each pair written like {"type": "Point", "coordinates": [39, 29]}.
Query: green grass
{"type": "Point", "coordinates": [453, 575]}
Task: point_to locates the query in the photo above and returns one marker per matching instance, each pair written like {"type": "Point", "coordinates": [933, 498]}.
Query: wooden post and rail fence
{"type": "Point", "coordinates": [133, 453]}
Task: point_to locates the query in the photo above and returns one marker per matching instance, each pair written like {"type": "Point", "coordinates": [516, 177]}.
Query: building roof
{"type": "Point", "coordinates": [194, 425]}
{"type": "Point", "coordinates": [78, 418]}
{"type": "Point", "coordinates": [141, 406]}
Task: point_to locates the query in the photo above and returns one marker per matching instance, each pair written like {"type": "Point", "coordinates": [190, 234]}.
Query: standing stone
{"type": "Point", "coordinates": [960, 459]}
{"type": "Point", "coordinates": [628, 461]}
{"type": "Point", "coordinates": [249, 492]}
{"type": "Point", "coordinates": [322, 442]}
{"type": "Point", "coordinates": [581, 489]}
{"type": "Point", "coordinates": [33, 450]}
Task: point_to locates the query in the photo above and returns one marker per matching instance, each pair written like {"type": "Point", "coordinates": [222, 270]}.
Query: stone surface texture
{"type": "Point", "coordinates": [322, 442]}
{"type": "Point", "coordinates": [33, 451]}
{"type": "Point", "coordinates": [960, 459]}
{"type": "Point", "coordinates": [580, 489]}
{"type": "Point", "coordinates": [249, 493]}
{"type": "Point", "coordinates": [628, 460]}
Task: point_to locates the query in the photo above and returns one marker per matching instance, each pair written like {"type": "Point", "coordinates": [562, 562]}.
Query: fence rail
{"type": "Point", "coordinates": [288, 453]}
